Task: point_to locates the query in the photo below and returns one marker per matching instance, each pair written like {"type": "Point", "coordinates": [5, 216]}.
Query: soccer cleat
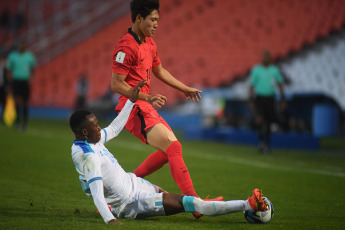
{"type": "Point", "coordinates": [108, 207]}
{"type": "Point", "coordinates": [256, 202]}
{"type": "Point", "coordinates": [198, 215]}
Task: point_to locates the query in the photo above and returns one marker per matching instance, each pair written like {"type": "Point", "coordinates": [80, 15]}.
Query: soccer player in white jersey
{"type": "Point", "coordinates": [125, 195]}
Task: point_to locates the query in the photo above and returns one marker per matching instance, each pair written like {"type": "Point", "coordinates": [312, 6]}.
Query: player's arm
{"type": "Point", "coordinates": [120, 121]}
{"type": "Point", "coordinates": [163, 75]}
{"type": "Point", "coordinates": [119, 85]}
{"type": "Point", "coordinates": [96, 188]}
{"type": "Point", "coordinates": [91, 167]}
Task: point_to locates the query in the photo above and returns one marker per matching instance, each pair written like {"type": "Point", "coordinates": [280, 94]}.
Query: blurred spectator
{"type": "Point", "coordinates": [263, 78]}
{"type": "Point", "coordinates": [21, 64]}
{"type": "Point", "coordinates": [3, 85]}
{"type": "Point", "coordinates": [82, 90]}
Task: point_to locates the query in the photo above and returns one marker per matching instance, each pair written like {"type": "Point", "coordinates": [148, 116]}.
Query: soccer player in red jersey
{"type": "Point", "coordinates": [135, 58]}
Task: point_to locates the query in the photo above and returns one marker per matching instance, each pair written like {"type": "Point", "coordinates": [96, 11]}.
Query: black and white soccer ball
{"type": "Point", "coordinates": [260, 217]}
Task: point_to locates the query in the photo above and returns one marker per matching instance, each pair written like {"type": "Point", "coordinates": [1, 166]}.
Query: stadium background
{"type": "Point", "coordinates": [211, 44]}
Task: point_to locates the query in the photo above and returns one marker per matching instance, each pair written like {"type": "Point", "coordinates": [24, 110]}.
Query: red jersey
{"type": "Point", "coordinates": [135, 59]}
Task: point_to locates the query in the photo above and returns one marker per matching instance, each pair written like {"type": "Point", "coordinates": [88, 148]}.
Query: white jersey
{"type": "Point", "coordinates": [100, 174]}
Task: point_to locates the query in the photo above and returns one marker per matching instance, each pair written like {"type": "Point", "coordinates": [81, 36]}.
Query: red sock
{"type": "Point", "coordinates": [178, 169]}
{"type": "Point", "coordinates": [152, 163]}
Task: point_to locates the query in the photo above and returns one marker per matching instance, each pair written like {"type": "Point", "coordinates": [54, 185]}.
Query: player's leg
{"type": "Point", "coordinates": [175, 203]}
{"type": "Point", "coordinates": [153, 162]}
{"type": "Point", "coordinates": [163, 139]}
{"type": "Point", "coordinates": [146, 124]}
{"type": "Point", "coordinates": [138, 122]}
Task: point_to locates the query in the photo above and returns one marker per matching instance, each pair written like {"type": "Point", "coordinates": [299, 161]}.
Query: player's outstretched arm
{"type": "Point", "coordinates": [136, 91]}
{"type": "Point", "coordinates": [163, 75]}
{"type": "Point", "coordinates": [120, 121]}
{"type": "Point", "coordinates": [118, 85]}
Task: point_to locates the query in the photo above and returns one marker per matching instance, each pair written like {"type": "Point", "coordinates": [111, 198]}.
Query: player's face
{"type": "Point", "coordinates": [93, 129]}
{"type": "Point", "coordinates": [149, 25]}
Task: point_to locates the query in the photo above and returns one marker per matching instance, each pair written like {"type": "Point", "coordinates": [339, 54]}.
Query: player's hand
{"type": "Point", "coordinates": [136, 90]}
{"type": "Point", "coordinates": [157, 100]}
{"type": "Point", "coordinates": [114, 221]}
{"type": "Point", "coordinates": [193, 94]}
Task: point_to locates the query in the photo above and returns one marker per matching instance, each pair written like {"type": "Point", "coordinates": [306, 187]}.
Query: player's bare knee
{"type": "Point", "coordinates": [171, 136]}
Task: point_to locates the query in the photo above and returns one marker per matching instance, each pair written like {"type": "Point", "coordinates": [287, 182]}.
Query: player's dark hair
{"type": "Point", "coordinates": [77, 119]}
{"type": "Point", "coordinates": [143, 7]}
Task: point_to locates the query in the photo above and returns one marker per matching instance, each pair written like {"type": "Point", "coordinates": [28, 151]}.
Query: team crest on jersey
{"type": "Point", "coordinates": [120, 57]}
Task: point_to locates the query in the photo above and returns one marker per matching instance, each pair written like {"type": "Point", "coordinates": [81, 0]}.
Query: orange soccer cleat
{"type": "Point", "coordinates": [256, 202]}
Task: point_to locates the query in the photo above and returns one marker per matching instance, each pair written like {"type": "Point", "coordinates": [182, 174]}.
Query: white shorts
{"type": "Point", "coordinates": [143, 203]}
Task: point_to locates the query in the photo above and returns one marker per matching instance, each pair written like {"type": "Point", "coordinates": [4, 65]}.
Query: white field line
{"type": "Point", "coordinates": [203, 155]}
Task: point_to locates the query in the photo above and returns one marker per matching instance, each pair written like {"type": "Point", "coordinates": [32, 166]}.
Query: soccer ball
{"type": "Point", "coordinates": [260, 217]}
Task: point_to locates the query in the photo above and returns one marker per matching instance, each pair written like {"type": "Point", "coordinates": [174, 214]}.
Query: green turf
{"type": "Point", "coordinates": [39, 187]}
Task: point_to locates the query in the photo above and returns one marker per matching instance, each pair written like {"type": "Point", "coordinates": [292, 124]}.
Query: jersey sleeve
{"type": "Point", "coordinates": [91, 167]}
{"type": "Point", "coordinates": [123, 58]}
{"type": "Point", "coordinates": [97, 192]}
{"type": "Point", "coordinates": [117, 124]}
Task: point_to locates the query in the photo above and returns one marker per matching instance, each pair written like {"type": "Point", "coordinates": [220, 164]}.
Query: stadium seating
{"type": "Point", "coordinates": [319, 68]}
{"type": "Point", "coordinates": [202, 43]}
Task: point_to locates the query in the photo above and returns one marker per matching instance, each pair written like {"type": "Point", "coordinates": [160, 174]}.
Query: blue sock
{"type": "Point", "coordinates": [188, 204]}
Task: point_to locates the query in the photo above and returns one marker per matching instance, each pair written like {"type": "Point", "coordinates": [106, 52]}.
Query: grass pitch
{"type": "Point", "coordinates": [39, 187]}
